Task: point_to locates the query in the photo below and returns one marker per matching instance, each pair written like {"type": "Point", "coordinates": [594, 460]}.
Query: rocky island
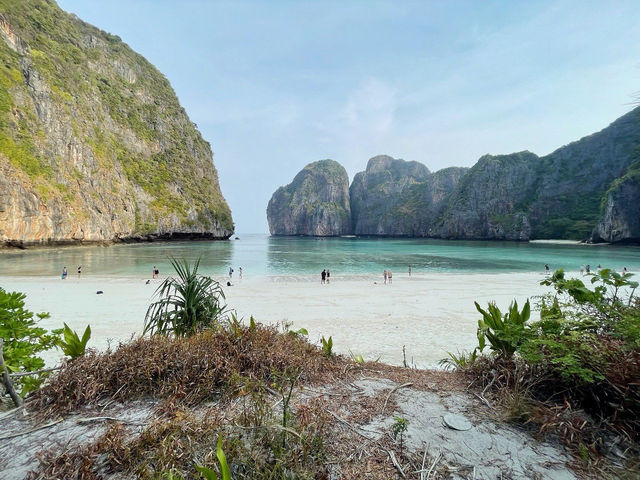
{"type": "Point", "coordinates": [315, 203]}
{"type": "Point", "coordinates": [94, 145]}
{"type": "Point", "coordinates": [587, 190]}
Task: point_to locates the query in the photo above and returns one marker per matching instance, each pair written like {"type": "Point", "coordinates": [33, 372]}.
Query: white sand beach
{"type": "Point", "coordinates": [428, 314]}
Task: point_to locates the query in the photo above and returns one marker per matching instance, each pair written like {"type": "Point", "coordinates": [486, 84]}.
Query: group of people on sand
{"type": "Point", "coordinates": [64, 274]}
{"type": "Point", "coordinates": [325, 276]}
{"type": "Point", "coordinates": [231, 270]}
{"type": "Point", "coordinates": [388, 276]}
{"type": "Point", "coordinates": [586, 269]}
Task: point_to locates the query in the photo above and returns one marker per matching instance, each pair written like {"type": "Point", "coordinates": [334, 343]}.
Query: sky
{"type": "Point", "coordinates": [275, 85]}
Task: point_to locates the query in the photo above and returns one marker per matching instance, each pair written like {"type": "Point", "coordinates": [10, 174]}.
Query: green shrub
{"type": "Point", "coordinates": [505, 333]}
{"type": "Point", "coordinates": [460, 360]}
{"type": "Point", "coordinates": [188, 303]}
{"type": "Point", "coordinates": [23, 339]}
{"type": "Point", "coordinates": [398, 429]}
{"type": "Point", "coordinates": [224, 467]}
{"type": "Point", "coordinates": [71, 344]}
{"type": "Point", "coordinates": [327, 346]}
{"type": "Point", "coordinates": [583, 355]}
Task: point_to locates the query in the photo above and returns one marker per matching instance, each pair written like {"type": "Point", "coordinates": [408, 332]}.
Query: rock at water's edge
{"type": "Point", "coordinates": [315, 203]}
{"type": "Point", "coordinates": [621, 218]}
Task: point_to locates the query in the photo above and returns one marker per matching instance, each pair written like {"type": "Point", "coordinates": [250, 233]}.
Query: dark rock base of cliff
{"type": "Point", "coordinates": [168, 237]}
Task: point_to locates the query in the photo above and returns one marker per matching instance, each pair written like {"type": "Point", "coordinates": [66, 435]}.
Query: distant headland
{"type": "Point", "coordinates": [588, 190]}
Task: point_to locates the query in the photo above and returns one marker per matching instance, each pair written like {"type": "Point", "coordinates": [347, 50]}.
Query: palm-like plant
{"type": "Point", "coordinates": [505, 333]}
{"type": "Point", "coordinates": [187, 303]}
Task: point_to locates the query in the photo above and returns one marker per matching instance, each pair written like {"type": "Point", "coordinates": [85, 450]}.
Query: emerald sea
{"type": "Point", "coordinates": [263, 255]}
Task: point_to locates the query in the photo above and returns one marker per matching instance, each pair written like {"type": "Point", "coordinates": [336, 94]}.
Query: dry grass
{"type": "Point", "coordinates": [190, 370]}
{"type": "Point", "coordinates": [244, 369]}
{"type": "Point", "coordinates": [174, 443]}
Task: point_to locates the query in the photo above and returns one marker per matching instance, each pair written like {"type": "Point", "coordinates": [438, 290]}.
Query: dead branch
{"type": "Point", "coordinates": [424, 459]}
{"type": "Point", "coordinates": [19, 434]}
{"type": "Point", "coordinates": [489, 385]}
{"type": "Point", "coordinates": [484, 400]}
{"type": "Point", "coordinates": [35, 372]}
{"type": "Point", "coordinates": [6, 379]}
{"type": "Point", "coordinates": [105, 419]}
{"type": "Point", "coordinates": [391, 392]}
{"type": "Point", "coordinates": [396, 464]}
{"type": "Point", "coordinates": [329, 394]}
{"type": "Point", "coordinates": [433, 465]}
{"type": "Point", "coordinates": [339, 418]}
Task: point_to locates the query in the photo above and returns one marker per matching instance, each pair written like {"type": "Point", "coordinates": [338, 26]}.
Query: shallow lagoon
{"type": "Point", "coordinates": [261, 255]}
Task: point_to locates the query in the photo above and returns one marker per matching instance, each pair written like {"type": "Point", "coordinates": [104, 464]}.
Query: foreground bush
{"type": "Point", "coordinates": [575, 371]}
{"type": "Point", "coordinates": [23, 340]}
{"type": "Point", "coordinates": [218, 382]}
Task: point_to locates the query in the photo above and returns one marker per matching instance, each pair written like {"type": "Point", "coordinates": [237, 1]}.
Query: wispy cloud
{"type": "Point", "coordinates": [371, 107]}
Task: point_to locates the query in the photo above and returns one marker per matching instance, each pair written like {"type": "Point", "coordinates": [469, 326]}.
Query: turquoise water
{"type": "Point", "coordinates": [263, 255]}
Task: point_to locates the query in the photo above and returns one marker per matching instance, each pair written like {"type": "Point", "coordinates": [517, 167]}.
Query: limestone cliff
{"type": "Point", "coordinates": [486, 203]}
{"type": "Point", "coordinates": [522, 196]}
{"type": "Point", "coordinates": [94, 145]}
{"type": "Point", "coordinates": [399, 198]}
{"type": "Point", "coordinates": [315, 203]}
{"type": "Point", "coordinates": [621, 219]}
{"type": "Point", "coordinates": [589, 189]}
{"type": "Point", "coordinates": [376, 195]}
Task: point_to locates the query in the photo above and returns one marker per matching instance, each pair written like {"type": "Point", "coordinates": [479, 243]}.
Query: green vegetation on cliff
{"type": "Point", "coordinates": [79, 108]}
{"type": "Point", "coordinates": [560, 195]}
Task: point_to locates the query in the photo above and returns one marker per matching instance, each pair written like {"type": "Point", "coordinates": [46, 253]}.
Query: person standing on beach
{"type": "Point", "coordinates": [390, 275]}
{"type": "Point", "coordinates": [323, 276]}
{"type": "Point", "coordinates": [384, 275]}
{"type": "Point", "coordinates": [409, 270]}
{"type": "Point", "coordinates": [230, 272]}
{"type": "Point", "coordinates": [546, 267]}
{"type": "Point", "coordinates": [64, 273]}
{"type": "Point", "coordinates": [624, 270]}
{"type": "Point", "coordinates": [328, 275]}
{"type": "Point", "coordinates": [153, 272]}
{"type": "Point", "coordinates": [240, 272]}
{"type": "Point", "coordinates": [79, 270]}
